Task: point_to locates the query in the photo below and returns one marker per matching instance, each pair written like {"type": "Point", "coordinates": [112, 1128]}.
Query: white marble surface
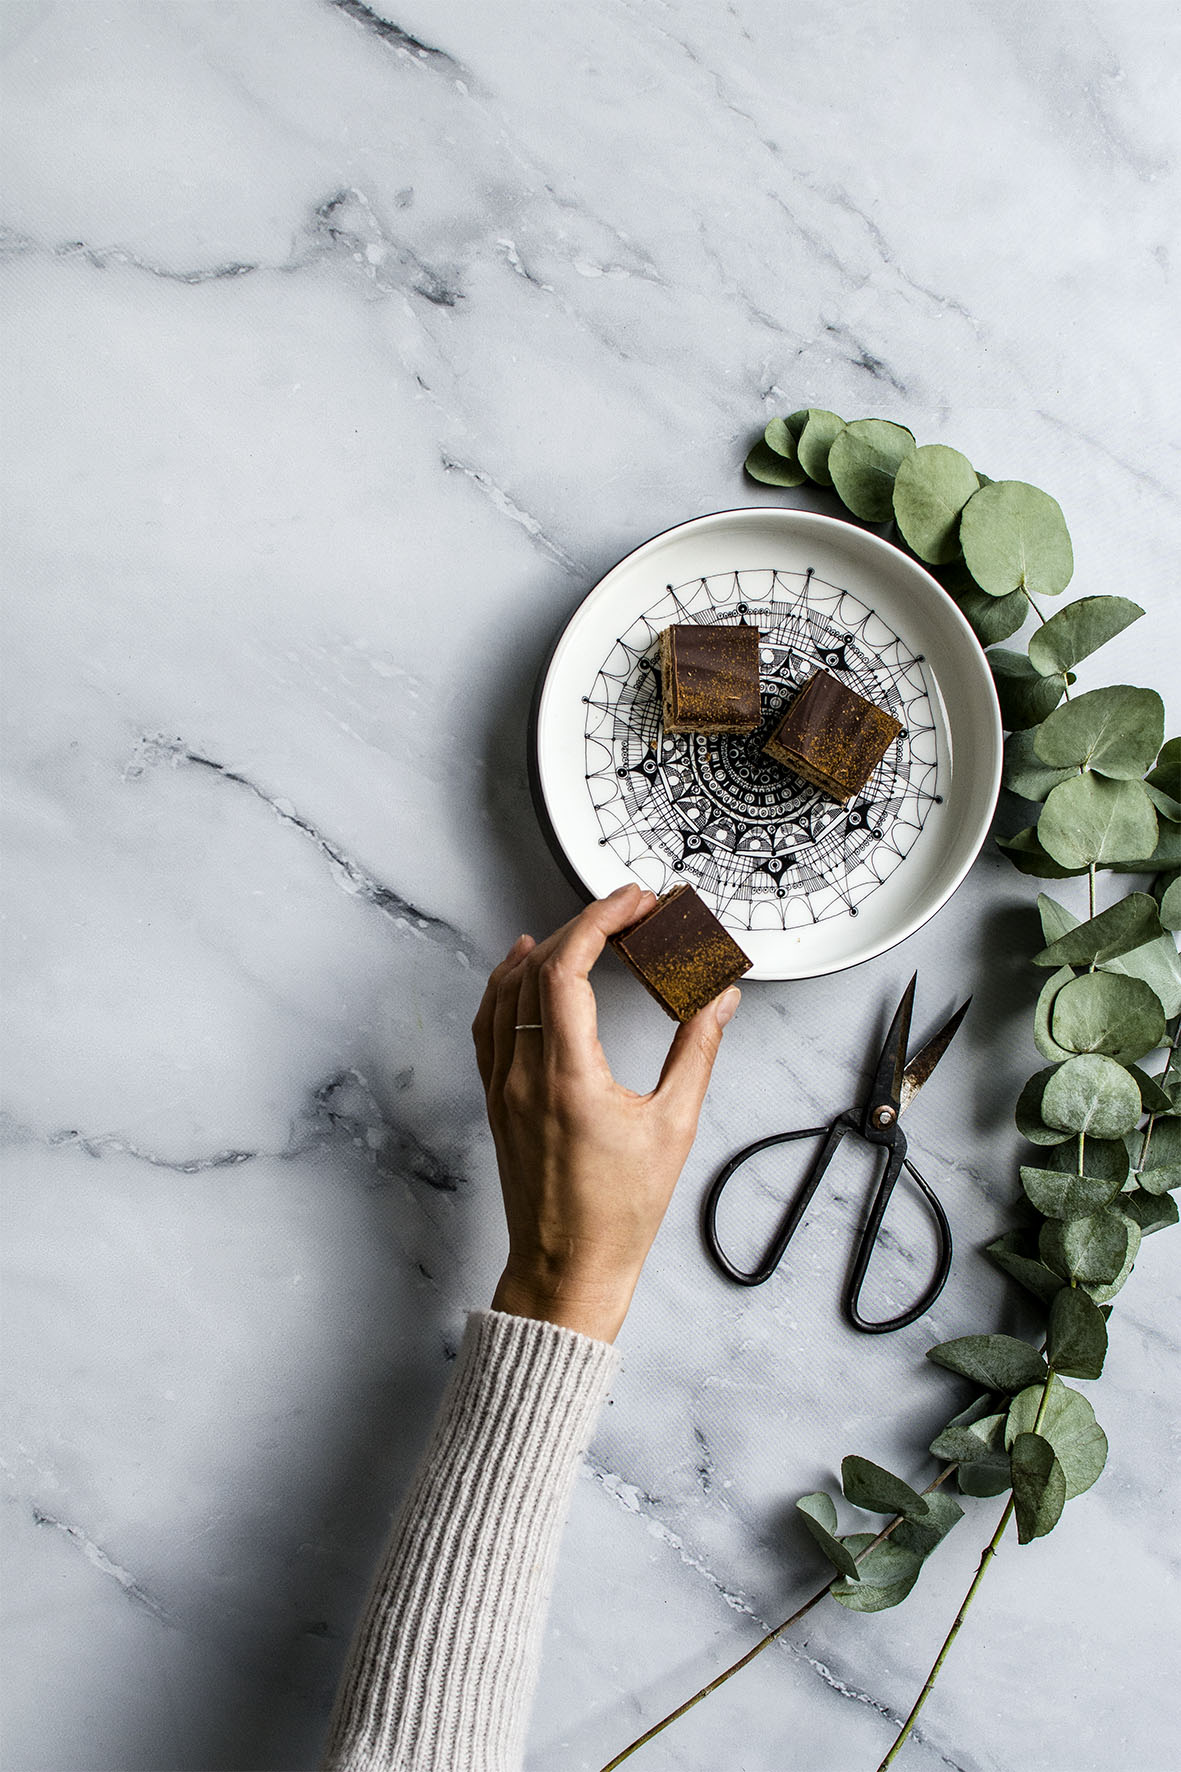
{"type": "Point", "coordinates": [341, 359]}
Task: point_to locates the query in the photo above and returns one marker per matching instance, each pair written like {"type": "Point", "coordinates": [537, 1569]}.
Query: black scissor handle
{"type": "Point", "coordinates": [896, 1160]}
{"type": "Point", "coordinates": [836, 1131]}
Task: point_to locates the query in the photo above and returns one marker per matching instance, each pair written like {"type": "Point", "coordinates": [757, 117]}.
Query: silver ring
{"type": "Point", "coordinates": [524, 1026]}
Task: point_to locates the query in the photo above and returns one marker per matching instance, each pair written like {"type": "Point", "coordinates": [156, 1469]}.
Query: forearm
{"type": "Point", "coordinates": [442, 1669]}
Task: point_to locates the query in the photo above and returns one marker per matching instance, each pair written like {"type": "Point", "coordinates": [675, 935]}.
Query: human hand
{"type": "Point", "coordinates": [587, 1168]}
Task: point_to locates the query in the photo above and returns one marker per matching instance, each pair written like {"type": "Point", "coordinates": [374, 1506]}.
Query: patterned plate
{"type": "Point", "coordinates": [807, 886]}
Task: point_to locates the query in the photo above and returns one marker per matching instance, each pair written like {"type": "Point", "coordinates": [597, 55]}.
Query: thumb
{"type": "Point", "coordinates": [690, 1061]}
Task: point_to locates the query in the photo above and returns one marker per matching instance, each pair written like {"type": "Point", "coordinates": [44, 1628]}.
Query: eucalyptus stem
{"type": "Point", "coordinates": [988, 1554]}
{"type": "Point", "coordinates": [764, 1643]}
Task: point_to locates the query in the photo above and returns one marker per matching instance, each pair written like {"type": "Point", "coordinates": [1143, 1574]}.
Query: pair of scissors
{"type": "Point", "coordinates": [895, 1085]}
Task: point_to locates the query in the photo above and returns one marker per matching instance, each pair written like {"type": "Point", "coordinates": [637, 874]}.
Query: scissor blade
{"type": "Point", "coordinates": [924, 1062]}
{"type": "Point", "coordinates": [890, 1074]}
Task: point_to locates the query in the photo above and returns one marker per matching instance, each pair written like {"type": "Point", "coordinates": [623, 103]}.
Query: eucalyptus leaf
{"type": "Point", "coordinates": [1092, 1248]}
{"type": "Point", "coordinates": [1126, 925]}
{"type": "Point", "coordinates": [783, 435]}
{"type": "Point", "coordinates": [1078, 630]}
{"type": "Point", "coordinates": [1116, 732]}
{"type": "Point", "coordinates": [771, 469]}
{"type": "Point", "coordinates": [1016, 1255]}
{"type": "Point", "coordinates": [984, 1479]}
{"type": "Point", "coordinates": [868, 1485]}
{"type": "Point", "coordinates": [1058, 1195]}
{"type": "Point", "coordinates": [1091, 819]}
{"type": "Point", "coordinates": [991, 619]}
{"type": "Point", "coordinates": [1165, 855]}
{"type": "Point", "coordinates": [973, 1442]}
{"type": "Point", "coordinates": [1160, 1169]}
{"type": "Point", "coordinates": [820, 432]}
{"type": "Point", "coordinates": [1026, 697]}
{"type": "Point", "coordinates": [1106, 1159]}
{"type": "Point", "coordinates": [1043, 1036]}
{"type": "Point", "coordinates": [1159, 965]}
{"type": "Point", "coordinates": [1039, 1487]}
{"type": "Point", "coordinates": [887, 1575]}
{"type": "Point", "coordinates": [1110, 1013]}
{"type": "Point", "coordinates": [1103, 1291]}
{"type": "Point", "coordinates": [922, 1536]}
{"type": "Point", "coordinates": [1152, 1097]}
{"type": "Point", "coordinates": [998, 1362]}
{"type": "Point", "coordinates": [1170, 904]}
{"type": "Point", "coordinates": [1014, 537]}
{"type": "Point", "coordinates": [932, 487]}
{"type": "Point", "coordinates": [862, 463]}
{"type": "Point", "coordinates": [1166, 806]}
{"type": "Point", "coordinates": [1056, 920]}
{"type": "Point", "coordinates": [1028, 856]}
{"type": "Point", "coordinates": [1152, 1212]}
{"type": "Point", "coordinates": [1091, 1094]}
{"type": "Point", "coordinates": [1069, 1424]}
{"type": "Point", "coordinates": [1024, 771]}
{"type": "Point", "coordinates": [1077, 1340]}
{"type": "Point", "coordinates": [820, 1517]}
{"type": "Point", "coordinates": [1166, 773]}
{"type": "Point", "coordinates": [1028, 1112]}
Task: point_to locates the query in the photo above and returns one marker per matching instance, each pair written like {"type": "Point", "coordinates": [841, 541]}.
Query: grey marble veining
{"type": "Point", "coordinates": [345, 349]}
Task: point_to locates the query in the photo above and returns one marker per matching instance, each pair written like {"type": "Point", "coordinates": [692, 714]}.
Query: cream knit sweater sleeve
{"type": "Point", "coordinates": [441, 1672]}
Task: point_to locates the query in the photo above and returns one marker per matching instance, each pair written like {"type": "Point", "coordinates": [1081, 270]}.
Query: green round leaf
{"type": "Point", "coordinates": [1152, 1097]}
{"type": "Point", "coordinates": [1170, 905]}
{"type": "Point", "coordinates": [1091, 1094]}
{"type": "Point", "coordinates": [1167, 773]}
{"type": "Point", "coordinates": [1089, 818]}
{"type": "Point", "coordinates": [991, 618]}
{"type": "Point", "coordinates": [1104, 1291]}
{"type": "Point", "coordinates": [783, 435]}
{"type": "Point", "coordinates": [862, 463]}
{"type": "Point", "coordinates": [998, 1362]}
{"type": "Point", "coordinates": [931, 489]}
{"type": "Point", "coordinates": [887, 1575]}
{"type": "Point", "coordinates": [1028, 857]}
{"type": "Point", "coordinates": [1126, 925]}
{"type": "Point", "coordinates": [1092, 1248]}
{"type": "Point", "coordinates": [983, 1479]}
{"type": "Point", "coordinates": [981, 1441]}
{"type": "Point", "coordinates": [1024, 772]}
{"type": "Point", "coordinates": [1106, 1159]}
{"type": "Point", "coordinates": [1043, 1037]}
{"type": "Point", "coordinates": [1115, 732]}
{"type": "Point", "coordinates": [1080, 629]}
{"type": "Point", "coordinates": [1069, 1424]}
{"type": "Point", "coordinates": [1014, 1255]}
{"type": "Point", "coordinates": [820, 1517]}
{"type": "Point", "coordinates": [1024, 694]}
{"type": "Point", "coordinates": [1158, 964]}
{"type": "Point", "coordinates": [921, 1536]}
{"type": "Point", "coordinates": [1058, 1195]}
{"type": "Point", "coordinates": [1104, 1012]}
{"type": "Point", "coordinates": [1166, 805]}
{"type": "Point", "coordinates": [1015, 538]}
{"type": "Point", "coordinates": [1077, 1342]}
{"type": "Point", "coordinates": [770, 469]}
{"type": "Point", "coordinates": [1056, 920]}
{"type": "Point", "coordinates": [1161, 1167]}
{"type": "Point", "coordinates": [820, 432]}
{"type": "Point", "coordinates": [868, 1485]}
{"type": "Point", "coordinates": [1028, 1113]}
{"type": "Point", "coordinates": [1152, 1212]}
{"type": "Point", "coordinates": [1039, 1487]}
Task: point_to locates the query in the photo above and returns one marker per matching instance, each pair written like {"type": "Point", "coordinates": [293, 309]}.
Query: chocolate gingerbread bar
{"type": "Point", "coordinates": [681, 953]}
{"type": "Point", "coordinates": [832, 736]}
{"type": "Point", "coordinates": [710, 678]}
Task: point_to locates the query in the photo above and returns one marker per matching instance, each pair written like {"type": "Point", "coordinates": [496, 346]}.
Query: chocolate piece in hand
{"type": "Point", "coordinates": [710, 678]}
{"type": "Point", "coordinates": [681, 953]}
{"type": "Point", "coordinates": [832, 736]}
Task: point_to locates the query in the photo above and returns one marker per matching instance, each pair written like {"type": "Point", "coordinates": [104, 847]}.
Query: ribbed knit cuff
{"type": "Point", "coordinates": [442, 1670]}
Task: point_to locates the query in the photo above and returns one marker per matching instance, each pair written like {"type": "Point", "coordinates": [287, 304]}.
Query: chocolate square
{"type": "Point", "coordinates": [832, 736]}
{"type": "Point", "coordinates": [710, 678]}
{"type": "Point", "coordinates": [681, 953]}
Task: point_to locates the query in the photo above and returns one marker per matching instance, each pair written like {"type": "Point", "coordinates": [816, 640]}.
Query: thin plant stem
{"type": "Point", "coordinates": [765, 1643]}
{"type": "Point", "coordinates": [989, 1553]}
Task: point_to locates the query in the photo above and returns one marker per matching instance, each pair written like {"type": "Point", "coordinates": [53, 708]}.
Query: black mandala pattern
{"type": "Point", "coordinates": [764, 849]}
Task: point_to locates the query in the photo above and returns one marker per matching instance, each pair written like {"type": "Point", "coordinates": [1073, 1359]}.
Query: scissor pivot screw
{"type": "Point", "coordinates": [884, 1116]}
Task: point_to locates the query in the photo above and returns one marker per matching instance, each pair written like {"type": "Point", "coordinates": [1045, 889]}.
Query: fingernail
{"type": "Point", "coordinates": [726, 1005]}
{"type": "Point", "coordinates": [620, 890]}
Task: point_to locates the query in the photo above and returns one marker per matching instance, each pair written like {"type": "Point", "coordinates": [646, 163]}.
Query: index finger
{"type": "Point", "coordinates": [567, 1000]}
